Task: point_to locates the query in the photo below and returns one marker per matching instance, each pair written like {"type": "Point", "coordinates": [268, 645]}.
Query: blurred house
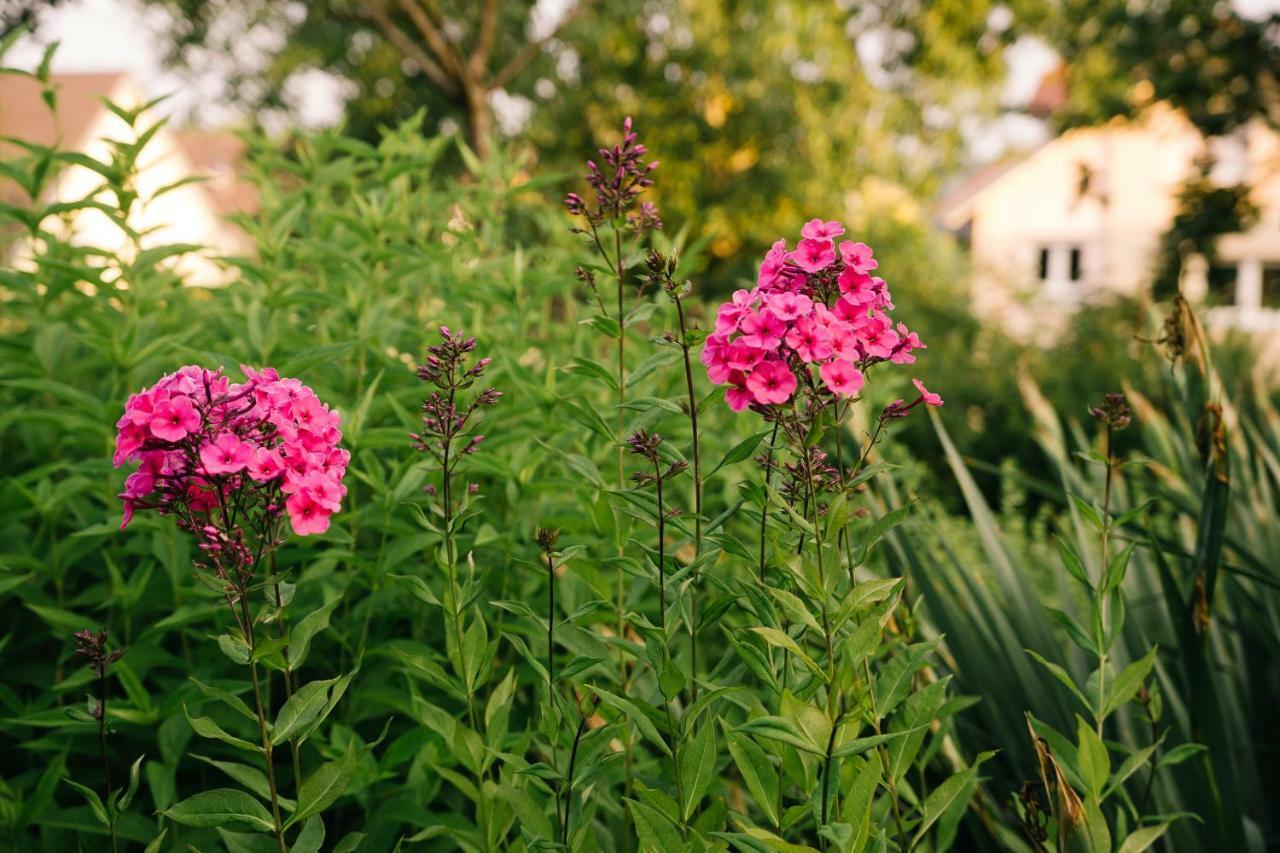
{"type": "Point", "coordinates": [1081, 217]}
{"type": "Point", "coordinates": [191, 213]}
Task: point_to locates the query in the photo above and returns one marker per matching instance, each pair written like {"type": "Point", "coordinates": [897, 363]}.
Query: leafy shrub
{"type": "Point", "coordinates": [627, 616]}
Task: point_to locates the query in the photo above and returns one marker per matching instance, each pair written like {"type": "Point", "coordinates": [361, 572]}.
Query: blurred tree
{"type": "Point", "coordinates": [450, 56]}
{"type": "Point", "coordinates": [1221, 68]}
{"type": "Point", "coordinates": [766, 114]}
{"type": "Point", "coordinates": [763, 113]}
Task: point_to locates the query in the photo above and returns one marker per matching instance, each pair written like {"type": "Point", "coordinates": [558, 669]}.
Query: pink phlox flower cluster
{"type": "Point", "coordinates": [217, 454]}
{"type": "Point", "coordinates": [818, 304]}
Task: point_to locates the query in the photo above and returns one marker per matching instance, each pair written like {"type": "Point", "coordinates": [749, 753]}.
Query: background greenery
{"type": "Point", "coordinates": [365, 241]}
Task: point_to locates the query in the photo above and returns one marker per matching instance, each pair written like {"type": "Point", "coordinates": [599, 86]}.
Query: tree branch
{"type": "Point", "coordinates": [377, 13]}
{"type": "Point", "coordinates": [533, 48]}
{"type": "Point", "coordinates": [488, 29]}
{"type": "Point", "coordinates": [434, 38]}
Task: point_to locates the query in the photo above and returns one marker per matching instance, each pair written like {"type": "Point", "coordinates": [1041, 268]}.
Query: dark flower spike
{"type": "Point", "coordinates": [1114, 411]}
{"type": "Point", "coordinates": [618, 185]}
{"type": "Point", "coordinates": [94, 647]}
{"type": "Point", "coordinates": [546, 537]}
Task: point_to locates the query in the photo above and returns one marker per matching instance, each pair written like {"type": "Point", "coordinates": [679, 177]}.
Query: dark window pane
{"type": "Point", "coordinates": [1271, 285]}
{"type": "Point", "coordinates": [1044, 264]}
{"type": "Point", "coordinates": [1075, 263]}
{"type": "Point", "coordinates": [1222, 285]}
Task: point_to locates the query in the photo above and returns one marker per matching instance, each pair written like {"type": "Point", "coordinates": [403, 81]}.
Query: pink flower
{"type": "Point", "coordinates": [742, 356]}
{"type": "Point", "coordinates": [907, 342]}
{"type": "Point", "coordinates": [771, 267]}
{"type": "Point", "coordinates": [816, 229]}
{"type": "Point", "coordinates": [813, 255]}
{"type": "Point", "coordinates": [324, 490]}
{"type": "Point", "coordinates": [856, 286]}
{"type": "Point", "coordinates": [226, 454]}
{"type": "Point", "coordinates": [763, 330]}
{"type": "Point", "coordinates": [265, 464]}
{"type": "Point", "coordinates": [788, 306]}
{"type": "Point", "coordinates": [128, 511]}
{"type": "Point", "coordinates": [857, 256]}
{"type": "Point", "coordinates": [878, 336]}
{"type": "Point", "coordinates": [810, 340]}
{"type": "Point", "coordinates": [731, 313]}
{"type": "Point", "coordinates": [771, 382]}
{"type": "Point", "coordinates": [841, 377]}
{"type": "Point", "coordinates": [738, 397]}
{"type": "Point", "coordinates": [174, 419]}
{"type": "Point", "coordinates": [844, 342]}
{"type": "Point", "coordinates": [928, 397]}
{"type": "Point", "coordinates": [139, 484]}
{"type": "Point", "coordinates": [305, 515]}
{"type": "Point", "coordinates": [881, 290]}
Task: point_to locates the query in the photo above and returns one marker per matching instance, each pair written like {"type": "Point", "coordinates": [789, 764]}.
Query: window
{"type": "Point", "coordinates": [1060, 265]}
{"type": "Point", "coordinates": [1271, 285]}
{"type": "Point", "coordinates": [1222, 284]}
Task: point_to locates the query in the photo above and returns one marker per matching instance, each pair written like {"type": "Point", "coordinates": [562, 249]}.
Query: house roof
{"type": "Point", "coordinates": [952, 209]}
{"type": "Point", "coordinates": [1051, 95]}
{"type": "Point", "coordinates": [78, 102]}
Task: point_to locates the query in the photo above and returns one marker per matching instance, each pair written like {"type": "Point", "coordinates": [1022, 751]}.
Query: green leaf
{"type": "Point", "coordinates": [94, 801]}
{"type": "Point", "coordinates": [324, 786]}
{"type": "Point", "coordinates": [783, 730]}
{"type": "Point", "coordinates": [633, 713]}
{"type": "Point", "coordinates": [250, 777]}
{"type": "Point", "coordinates": [1181, 753]}
{"type": "Point", "coordinates": [303, 706]}
{"type": "Point", "coordinates": [135, 777]}
{"type": "Point", "coordinates": [1093, 758]}
{"type": "Point", "coordinates": [1116, 568]}
{"type": "Point", "coordinates": [654, 829]}
{"type": "Point", "coordinates": [219, 807]}
{"type": "Point", "coordinates": [1074, 566]}
{"type": "Point", "coordinates": [1141, 839]}
{"type": "Point", "coordinates": [232, 701]}
{"type": "Point", "coordinates": [207, 728]}
{"type": "Point", "coordinates": [592, 369]}
{"type": "Point", "coordinates": [782, 640]}
{"type": "Point", "coordinates": [756, 770]}
{"type": "Point", "coordinates": [671, 682]}
{"type": "Point", "coordinates": [943, 796]}
{"type": "Point", "coordinates": [697, 767]}
{"type": "Point", "coordinates": [741, 451]}
{"type": "Point", "coordinates": [310, 838]}
{"type": "Point", "coordinates": [858, 802]}
{"type": "Point", "coordinates": [1129, 681]}
{"type": "Point", "coordinates": [1062, 676]}
{"type": "Point", "coordinates": [1086, 509]}
{"type": "Point", "coordinates": [306, 630]}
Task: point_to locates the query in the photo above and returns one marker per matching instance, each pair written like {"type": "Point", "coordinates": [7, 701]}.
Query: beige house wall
{"type": "Point", "coordinates": [1109, 193]}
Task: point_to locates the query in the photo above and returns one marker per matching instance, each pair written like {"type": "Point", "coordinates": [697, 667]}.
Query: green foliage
{"type": "Point", "coordinates": [846, 673]}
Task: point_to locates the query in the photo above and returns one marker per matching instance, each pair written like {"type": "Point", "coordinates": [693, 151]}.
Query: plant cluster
{"type": "Point", "coordinates": [584, 605]}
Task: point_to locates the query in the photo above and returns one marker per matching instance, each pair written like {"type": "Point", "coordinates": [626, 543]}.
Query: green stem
{"type": "Point", "coordinates": [102, 749]}
{"type": "Point", "coordinates": [1102, 599]}
{"type": "Point", "coordinates": [568, 799]}
{"type": "Point", "coordinates": [764, 510]}
{"type": "Point", "coordinates": [278, 829]}
{"type": "Point", "coordinates": [697, 501]}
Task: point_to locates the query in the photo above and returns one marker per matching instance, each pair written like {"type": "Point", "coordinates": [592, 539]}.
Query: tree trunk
{"type": "Point", "coordinates": [480, 119]}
